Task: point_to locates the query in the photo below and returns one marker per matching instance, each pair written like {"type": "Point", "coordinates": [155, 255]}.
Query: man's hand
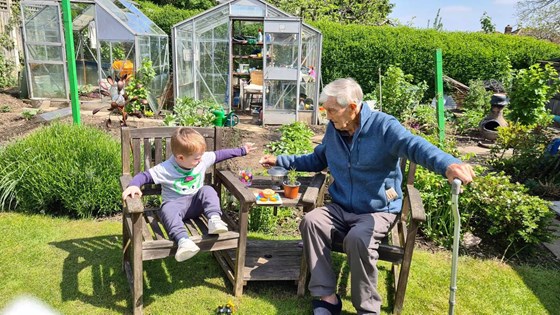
{"type": "Point", "coordinates": [464, 172]}
{"type": "Point", "coordinates": [249, 147]}
{"type": "Point", "coordinates": [132, 191]}
{"type": "Point", "coordinates": [268, 161]}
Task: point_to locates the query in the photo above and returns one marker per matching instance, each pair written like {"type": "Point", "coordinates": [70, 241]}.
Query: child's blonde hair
{"type": "Point", "coordinates": [187, 141]}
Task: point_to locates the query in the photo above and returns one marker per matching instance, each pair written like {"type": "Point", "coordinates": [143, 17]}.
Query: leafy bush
{"type": "Point", "coordinates": [476, 106]}
{"type": "Point", "coordinates": [528, 163]}
{"type": "Point", "coordinates": [531, 90]}
{"type": "Point", "coordinates": [262, 219]}
{"type": "Point", "coordinates": [295, 139]}
{"type": "Point", "coordinates": [6, 72]}
{"type": "Point", "coordinates": [61, 169]}
{"type": "Point", "coordinates": [515, 219]}
{"type": "Point", "coordinates": [398, 93]}
{"type": "Point", "coordinates": [422, 118]}
{"type": "Point", "coordinates": [191, 112]}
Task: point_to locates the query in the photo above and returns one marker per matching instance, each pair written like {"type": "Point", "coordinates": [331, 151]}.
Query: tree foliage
{"type": "Point", "coordinates": [367, 12]}
{"type": "Point", "coordinates": [540, 18]}
{"type": "Point", "coordinates": [486, 24]}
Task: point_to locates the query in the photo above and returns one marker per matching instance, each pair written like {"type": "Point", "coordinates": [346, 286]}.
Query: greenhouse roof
{"type": "Point", "coordinates": [116, 16]}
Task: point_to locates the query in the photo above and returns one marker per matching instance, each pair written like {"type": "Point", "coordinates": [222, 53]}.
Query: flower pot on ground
{"type": "Point", "coordinates": [291, 190]}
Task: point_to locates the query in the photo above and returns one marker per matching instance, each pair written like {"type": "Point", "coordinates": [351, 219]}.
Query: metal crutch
{"type": "Point", "coordinates": [455, 191]}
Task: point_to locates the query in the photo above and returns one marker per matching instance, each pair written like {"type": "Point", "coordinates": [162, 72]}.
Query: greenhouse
{"type": "Point", "coordinates": [251, 57]}
{"type": "Point", "coordinates": [110, 39]}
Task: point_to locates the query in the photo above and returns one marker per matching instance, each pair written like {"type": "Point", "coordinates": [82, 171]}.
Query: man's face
{"type": "Point", "coordinates": [341, 117]}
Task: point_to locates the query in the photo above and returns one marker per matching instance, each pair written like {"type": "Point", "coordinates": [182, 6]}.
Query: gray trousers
{"type": "Point", "coordinates": [175, 211]}
{"type": "Point", "coordinates": [364, 233]}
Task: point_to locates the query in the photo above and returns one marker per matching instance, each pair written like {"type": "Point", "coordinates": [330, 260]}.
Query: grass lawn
{"type": "Point", "coordinates": [75, 267]}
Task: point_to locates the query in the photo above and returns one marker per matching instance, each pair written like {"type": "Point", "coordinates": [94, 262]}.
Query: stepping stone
{"type": "Point", "coordinates": [556, 207]}
{"type": "Point", "coordinates": [56, 114]}
{"type": "Point", "coordinates": [555, 246]}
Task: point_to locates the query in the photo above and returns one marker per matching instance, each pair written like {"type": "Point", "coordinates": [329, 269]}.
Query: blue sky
{"type": "Point", "coordinates": [457, 15]}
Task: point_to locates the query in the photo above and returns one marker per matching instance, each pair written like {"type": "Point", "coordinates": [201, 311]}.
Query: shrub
{"type": "Point", "coordinates": [529, 162]}
{"type": "Point", "coordinates": [476, 106]}
{"type": "Point", "coordinates": [295, 139]}
{"type": "Point", "coordinates": [531, 90]}
{"type": "Point", "coordinates": [398, 93]}
{"type": "Point", "coordinates": [513, 220]}
{"type": "Point", "coordinates": [61, 169]}
{"type": "Point", "coordinates": [193, 113]}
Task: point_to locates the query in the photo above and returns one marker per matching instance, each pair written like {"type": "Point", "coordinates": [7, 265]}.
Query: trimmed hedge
{"type": "Point", "coordinates": [167, 15]}
{"type": "Point", "coordinates": [466, 56]}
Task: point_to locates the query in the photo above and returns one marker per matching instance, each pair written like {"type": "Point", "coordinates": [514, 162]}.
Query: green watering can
{"type": "Point", "coordinates": [223, 120]}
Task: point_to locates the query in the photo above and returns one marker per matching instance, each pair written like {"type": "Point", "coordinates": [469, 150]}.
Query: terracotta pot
{"type": "Point", "coordinates": [291, 191]}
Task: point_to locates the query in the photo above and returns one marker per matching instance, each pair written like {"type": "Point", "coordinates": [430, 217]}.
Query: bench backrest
{"type": "Point", "coordinates": [143, 148]}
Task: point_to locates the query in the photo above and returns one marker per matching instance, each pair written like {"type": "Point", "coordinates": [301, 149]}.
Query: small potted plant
{"type": "Point", "coordinates": [291, 185]}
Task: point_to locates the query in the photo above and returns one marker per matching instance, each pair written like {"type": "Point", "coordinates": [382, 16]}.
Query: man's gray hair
{"type": "Point", "coordinates": [345, 91]}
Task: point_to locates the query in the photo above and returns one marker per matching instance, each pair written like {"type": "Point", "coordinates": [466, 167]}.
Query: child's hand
{"type": "Point", "coordinates": [249, 146]}
{"type": "Point", "coordinates": [268, 161]}
{"type": "Point", "coordinates": [132, 191]}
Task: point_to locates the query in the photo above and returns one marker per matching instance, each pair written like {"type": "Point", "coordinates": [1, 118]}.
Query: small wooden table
{"type": "Point", "coordinates": [265, 260]}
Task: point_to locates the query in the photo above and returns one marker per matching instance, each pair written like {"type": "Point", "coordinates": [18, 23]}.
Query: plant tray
{"type": "Point", "coordinates": [264, 201]}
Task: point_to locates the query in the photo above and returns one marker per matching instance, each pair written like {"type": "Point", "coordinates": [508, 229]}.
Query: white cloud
{"type": "Point", "coordinates": [506, 2]}
{"type": "Point", "coordinates": [456, 9]}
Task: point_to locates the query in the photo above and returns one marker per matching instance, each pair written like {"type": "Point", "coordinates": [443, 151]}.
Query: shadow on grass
{"type": "Point", "coordinates": [108, 288]}
{"type": "Point", "coordinates": [543, 281]}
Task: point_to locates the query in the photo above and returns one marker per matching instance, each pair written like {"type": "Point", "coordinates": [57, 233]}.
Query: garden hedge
{"type": "Point", "coordinates": [359, 51]}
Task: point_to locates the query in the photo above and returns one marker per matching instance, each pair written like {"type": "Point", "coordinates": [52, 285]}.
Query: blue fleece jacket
{"type": "Point", "coordinates": [366, 168]}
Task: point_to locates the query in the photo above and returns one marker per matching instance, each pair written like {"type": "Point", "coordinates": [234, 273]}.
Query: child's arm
{"type": "Point", "coordinates": [225, 154]}
{"type": "Point", "coordinates": [137, 181]}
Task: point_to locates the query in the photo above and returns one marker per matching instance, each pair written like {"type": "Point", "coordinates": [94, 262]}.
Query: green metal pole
{"type": "Point", "coordinates": [439, 95]}
{"type": "Point", "coordinates": [71, 60]}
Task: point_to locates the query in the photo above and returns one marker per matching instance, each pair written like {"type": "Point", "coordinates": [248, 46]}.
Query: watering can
{"type": "Point", "coordinates": [231, 120]}
{"type": "Point", "coordinates": [220, 117]}
{"type": "Point", "coordinates": [223, 120]}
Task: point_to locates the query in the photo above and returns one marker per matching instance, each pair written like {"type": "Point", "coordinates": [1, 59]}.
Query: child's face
{"type": "Point", "coordinates": [189, 161]}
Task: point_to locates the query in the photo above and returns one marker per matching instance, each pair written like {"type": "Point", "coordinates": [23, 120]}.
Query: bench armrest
{"type": "Point", "coordinates": [131, 205]}
{"type": "Point", "coordinates": [312, 192]}
{"type": "Point", "coordinates": [416, 206]}
{"type": "Point", "coordinates": [236, 187]}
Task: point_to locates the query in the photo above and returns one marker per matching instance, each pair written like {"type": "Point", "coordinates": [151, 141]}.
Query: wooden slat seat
{"type": "Point", "coordinates": [144, 236]}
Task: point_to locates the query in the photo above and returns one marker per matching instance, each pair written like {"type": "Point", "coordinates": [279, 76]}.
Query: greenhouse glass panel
{"type": "Point", "coordinates": [212, 55]}
{"type": "Point", "coordinates": [45, 52]}
{"type": "Point", "coordinates": [184, 62]}
{"type": "Point", "coordinates": [248, 8]}
{"type": "Point", "coordinates": [48, 80]}
{"type": "Point", "coordinates": [41, 25]}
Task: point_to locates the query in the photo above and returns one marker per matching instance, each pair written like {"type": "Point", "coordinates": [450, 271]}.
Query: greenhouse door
{"type": "Point", "coordinates": [282, 46]}
{"type": "Point", "coordinates": [45, 59]}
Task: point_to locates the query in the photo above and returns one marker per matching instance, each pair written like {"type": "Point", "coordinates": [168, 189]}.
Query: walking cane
{"type": "Point", "coordinates": [455, 190]}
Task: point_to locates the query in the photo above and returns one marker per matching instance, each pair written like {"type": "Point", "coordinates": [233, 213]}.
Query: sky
{"type": "Point", "coordinates": [457, 15]}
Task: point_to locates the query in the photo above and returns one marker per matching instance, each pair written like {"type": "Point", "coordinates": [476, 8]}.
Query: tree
{"type": "Point", "coordinates": [540, 18]}
{"type": "Point", "coordinates": [486, 24]}
{"type": "Point", "coordinates": [437, 25]}
{"type": "Point", "coordinates": [368, 12]}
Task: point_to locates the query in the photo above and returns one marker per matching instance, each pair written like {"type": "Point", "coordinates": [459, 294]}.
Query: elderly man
{"type": "Point", "coordinates": [361, 149]}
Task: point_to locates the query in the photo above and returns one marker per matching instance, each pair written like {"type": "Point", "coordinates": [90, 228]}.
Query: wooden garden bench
{"type": "Point", "coordinates": [144, 237]}
{"type": "Point", "coordinates": [398, 246]}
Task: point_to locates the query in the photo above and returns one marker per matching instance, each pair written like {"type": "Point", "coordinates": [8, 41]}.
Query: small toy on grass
{"type": "Point", "coordinates": [229, 308]}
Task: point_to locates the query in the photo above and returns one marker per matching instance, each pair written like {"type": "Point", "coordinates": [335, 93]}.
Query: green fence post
{"type": "Point", "coordinates": [439, 95]}
{"type": "Point", "coordinates": [71, 60]}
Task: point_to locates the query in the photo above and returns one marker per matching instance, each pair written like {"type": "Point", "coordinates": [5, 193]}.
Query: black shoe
{"type": "Point", "coordinates": [321, 307]}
